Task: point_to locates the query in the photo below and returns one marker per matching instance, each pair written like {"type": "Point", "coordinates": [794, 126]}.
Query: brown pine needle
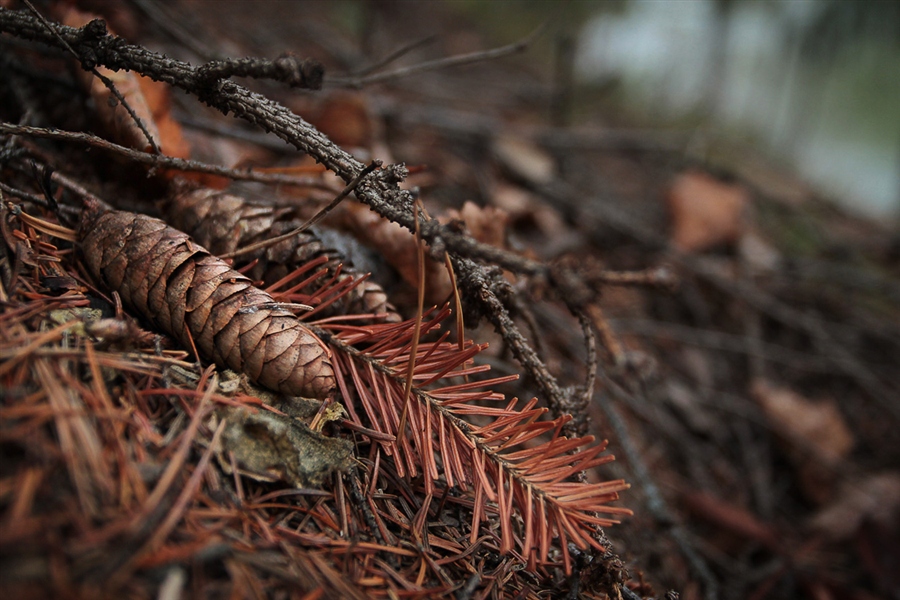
{"type": "Point", "coordinates": [512, 464]}
{"type": "Point", "coordinates": [420, 306]}
{"type": "Point", "coordinates": [457, 303]}
{"type": "Point", "coordinates": [52, 229]}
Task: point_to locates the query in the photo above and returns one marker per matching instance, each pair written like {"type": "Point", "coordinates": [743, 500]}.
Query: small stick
{"type": "Point", "coordinates": [286, 68]}
{"type": "Point", "coordinates": [607, 337]}
{"type": "Point", "coordinates": [451, 61]}
{"type": "Point", "coordinates": [662, 277]}
{"type": "Point", "coordinates": [156, 160]}
{"type": "Point", "coordinates": [402, 51]}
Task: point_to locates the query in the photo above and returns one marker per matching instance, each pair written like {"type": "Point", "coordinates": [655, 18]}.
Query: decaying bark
{"type": "Point", "coordinates": [225, 222]}
{"type": "Point", "coordinates": [197, 298]}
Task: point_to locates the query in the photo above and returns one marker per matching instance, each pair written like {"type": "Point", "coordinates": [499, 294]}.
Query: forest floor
{"type": "Point", "coordinates": [733, 335]}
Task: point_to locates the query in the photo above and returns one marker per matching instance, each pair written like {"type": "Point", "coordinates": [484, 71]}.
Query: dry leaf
{"type": "Point", "coordinates": [113, 116]}
{"type": "Point", "coordinates": [815, 434]}
{"type": "Point", "coordinates": [486, 224]}
{"type": "Point", "coordinates": [705, 212]}
{"type": "Point", "coordinates": [534, 228]}
{"type": "Point", "coordinates": [158, 96]}
{"type": "Point", "coordinates": [875, 498]}
{"type": "Point", "coordinates": [149, 99]}
{"type": "Point", "coordinates": [344, 118]}
{"type": "Point", "coordinates": [524, 160]}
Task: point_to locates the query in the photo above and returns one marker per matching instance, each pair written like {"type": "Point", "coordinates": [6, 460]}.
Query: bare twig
{"type": "Point", "coordinates": [33, 198]}
{"type": "Point", "coordinates": [156, 160]}
{"type": "Point", "coordinates": [481, 286]}
{"type": "Point", "coordinates": [172, 23]}
{"type": "Point", "coordinates": [106, 80]}
{"type": "Point", "coordinates": [393, 56]}
{"type": "Point", "coordinates": [719, 340]}
{"type": "Point", "coordinates": [442, 63]}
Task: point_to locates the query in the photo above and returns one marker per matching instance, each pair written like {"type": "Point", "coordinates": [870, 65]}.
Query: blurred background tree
{"type": "Point", "coordinates": [813, 85]}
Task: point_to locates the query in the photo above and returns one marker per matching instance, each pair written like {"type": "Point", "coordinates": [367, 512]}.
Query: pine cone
{"type": "Point", "coordinates": [183, 290]}
{"type": "Point", "coordinates": [224, 223]}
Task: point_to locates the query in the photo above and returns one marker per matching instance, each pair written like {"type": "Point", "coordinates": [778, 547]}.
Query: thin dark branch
{"type": "Point", "coordinates": [106, 80]}
{"type": "Point", "coordinates": [156, 160]}
{"type": "Point", "coordinates": [592, 363]}
{"type": "Point", "coordinates": [23, 195]}
{"type": "Point", "coordinates": [720, 340]}
{"type": "Point", "coordinates": [661, 277]}
{"type": "Point", "coordinates": [400, 52]}
{"type": "Point", "coordinates": [443, 63]}
{"type": "Point", "coordinates": [171, 22]}
{"type": "Point", "coordinates": [477, 283]}
{"type": "Point", "coordinates": [655, 502]}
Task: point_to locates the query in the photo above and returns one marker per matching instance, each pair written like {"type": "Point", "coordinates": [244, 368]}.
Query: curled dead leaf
{"type": "Point", "coordinates": [487, 224]}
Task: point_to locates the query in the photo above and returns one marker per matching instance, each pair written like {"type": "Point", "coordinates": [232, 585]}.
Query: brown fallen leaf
{"type": "Point", "coordinates": [113, 116]}
{"type": "Point", "coordinates": [705, 212]}
{"type": "Point", "coordinates": [158, 96]}
{"type": "Point", "coordinates": [535, 228]}
{"type": "Point", "coordinates": [876, 499]}
{"type": "Point", "coordinates": [814, 433]}
{"type": "Point", "coordinates": [487, 224]}
{"type": "Point", "coordinates": [524, 160]}
{"type": "Point", "coordinates": [344, 118]}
